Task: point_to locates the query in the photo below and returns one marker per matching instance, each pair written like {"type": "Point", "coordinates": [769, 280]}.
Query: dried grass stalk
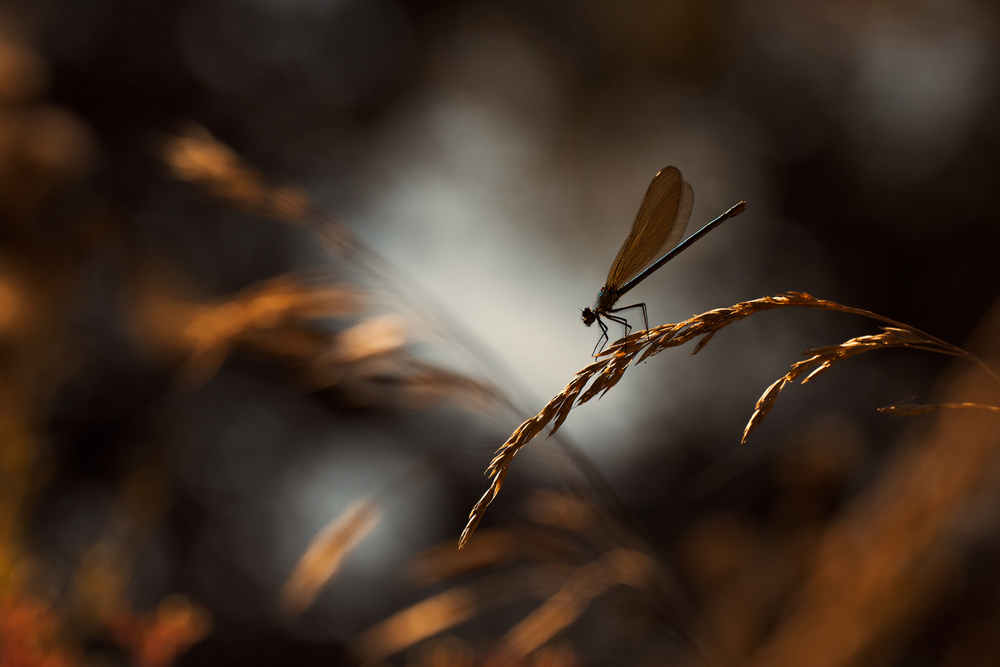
{"type": "Point", "coordinates": [619, 566]}
{"type": "Point", "coordinates": [566, 569]}
{"type": "Point", "coordinates": [199, 158]}
{"type": "Point", "coordinates": [326, 553]}
{"type": "Point", "coordinates": [492, 548]}
{"type": "Point", "coordinates": [902, 545]}
{"type": "Point", "coordinates": [610, 366]}
{"type": "Point", "coordinates": [195, 156]}
{"type": "Point", "coordinates": [375, 337]}
{"type": "Point", "coordinates": [453, 607]}
{"type": "Point", "coordinates": [417, 623]}
{"type": "Point", "coordinates": [907, 410]}
{"type": "Point", "coordinates": [821, 359]}
{"type": "Point", "coordinates": [210, 331]}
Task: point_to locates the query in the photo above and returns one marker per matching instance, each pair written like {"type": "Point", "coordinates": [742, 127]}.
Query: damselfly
{"type": "Point", "coordinates": [660, 223]}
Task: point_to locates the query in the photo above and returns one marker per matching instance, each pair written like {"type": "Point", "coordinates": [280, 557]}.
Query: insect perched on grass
{"type": "Point", "coordinates": [660, 223]}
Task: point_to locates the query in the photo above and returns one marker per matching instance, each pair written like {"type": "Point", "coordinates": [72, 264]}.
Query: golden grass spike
{"type": "Point", "coordinates": [417, 623]}
{"type": "Point", "coordinates": [326, 553]}
{"type": "Point", "coordinates": [764, 405]}
{"type": "Point", "coordinates": [890, 558]}
{"type": "Point", "coordinates": [907, 410]}
{"type": "Point", "coordinates": [198, 157]}
{"type": "Point", "coordinates": [823, 358]}
{"type": "Point", "coordinates": [492, 547]}
{"type": "Point", "coordinates": [618, 566]}
{"type": "Point", "coordinates": [208, 332]}
{"type": "Point", "coordinates": [612, 363]}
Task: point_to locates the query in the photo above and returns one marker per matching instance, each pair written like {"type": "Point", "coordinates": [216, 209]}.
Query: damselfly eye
{"type": "Point", "coordinates": [588, 316]}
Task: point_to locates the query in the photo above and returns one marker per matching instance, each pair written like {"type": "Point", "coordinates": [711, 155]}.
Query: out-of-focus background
{"type": "Point", "coordinates": [189, 389]}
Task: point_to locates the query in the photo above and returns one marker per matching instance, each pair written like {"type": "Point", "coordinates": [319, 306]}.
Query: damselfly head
{"type": "Point", "coordinates": [588, 316]}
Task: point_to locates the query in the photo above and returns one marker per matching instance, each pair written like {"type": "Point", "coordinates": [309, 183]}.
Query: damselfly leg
{"type": "Point", "coordinates": [604, 339]}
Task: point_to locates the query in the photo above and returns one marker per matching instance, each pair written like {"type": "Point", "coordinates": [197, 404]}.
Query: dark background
{"type": "Point", "coordinates": [495, 153]}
